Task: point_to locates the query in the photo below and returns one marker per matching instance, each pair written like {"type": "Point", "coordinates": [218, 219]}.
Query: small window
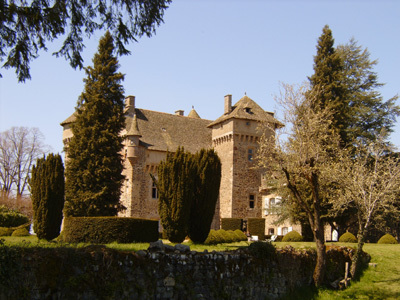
{"type": "Point", "coordinates": [271, 231]}
{"type": "Point", "coordinates": [247, 109]}
{"type": "Point", "coordinates": [251, 201]}
{"type": "Point", "coordinates": [285, 230]}
{"type": "Point", "coordinates": [250, 154]}
{"type": "Point", "coordinates": [154, 192]}
{"type": "Point", "coordinates": [248, 123]}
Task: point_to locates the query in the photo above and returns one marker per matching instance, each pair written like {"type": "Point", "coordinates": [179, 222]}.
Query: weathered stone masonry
{"type": "Point", "coordinates": [162, 272]}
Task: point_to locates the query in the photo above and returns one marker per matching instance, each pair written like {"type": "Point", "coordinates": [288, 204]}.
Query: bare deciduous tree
{"type": "Point", "coordinates": [297, 159]}
{"type": "Point", "coordinates": [370, 181]}
{"type": "Point", "coordinates": [19, 149]}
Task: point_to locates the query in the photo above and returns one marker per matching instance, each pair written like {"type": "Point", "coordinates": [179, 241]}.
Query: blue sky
{"type": "Point", "coordinates": [207, 49]}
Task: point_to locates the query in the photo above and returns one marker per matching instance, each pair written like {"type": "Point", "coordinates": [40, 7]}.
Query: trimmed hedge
{"type": "Point", "coordinates": [104, 230]}
{"type": "Point", "coordinates": [256, 226]}
{"type": "Point", "coordinates": [11, 218]}
{"type": "Point", "coordinates": [387, 239]}
{"type": "Point", "coordinates": [347, 237]}
{"type": "Point", "coordinates": [21, 231]}
{"type": "Point", "coordinates": [231, 223]}
{"type": "Point", "coordinates": [292, 236]}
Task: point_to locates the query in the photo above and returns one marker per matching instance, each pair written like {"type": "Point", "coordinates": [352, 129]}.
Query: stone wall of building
{"type": "Point", "coordinates": [161, 272]}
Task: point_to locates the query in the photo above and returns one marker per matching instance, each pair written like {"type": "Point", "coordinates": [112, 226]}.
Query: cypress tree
{"type": "Point", "coordinates": [175, 190]}
{"type": "Point", "coordinates": [94, 165]}
{"type": "Point", "coordinates": [327, 83]}
{"type": "Point", "coordinates": [47, 193]}
{"type": "Point", "coordinates": [206, 190]}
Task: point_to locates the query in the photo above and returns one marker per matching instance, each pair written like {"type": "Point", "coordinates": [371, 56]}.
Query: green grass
{"type": "Point", "coordinates": [380, 282]}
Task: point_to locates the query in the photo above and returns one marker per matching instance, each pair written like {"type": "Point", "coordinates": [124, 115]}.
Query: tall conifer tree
{"type": "Point", "coordinates": [94, 165]}
{"type": "Point", "coordinates": [175, 189]}
{"type": "Point", "coordinates": [327, 82]}
{"type": "Point", "coordinates": [206, 190]}
{"type": "Point", "coordinates": [47, 193]}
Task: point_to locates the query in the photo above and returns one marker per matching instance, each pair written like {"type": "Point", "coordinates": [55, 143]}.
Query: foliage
{"type": "Point", "coordinates": [240, 236]}
{"type": "Point", "coordinates": [19, 148]}
{"type": "Point", "coordinates": [20, 232]}
{"type": "Point", "coordinates": [387, 239]}
{"type": "Point", "coordinates": [6, 231]}
{"type": "Point", "coordinates": [256, 227]}
{"type": "Point", "coordinates": [29, 25]}
{"type": "Point", "coordinates": [94, 165]}
{"type": "Point", "coordinates": [221, 236]}
{"type": "Point", "coordinates": [292, 236]}
{"type": "Point", "coordinates": [11, 218]}
{"type": "Point", "coordinates": [47, 192]}
{"type": "Point", "coordinates": [369, 115]}
{"type": "Point", "coordinates": [347, 237]}
{"type": "Point", "coordinates": [175, 190]}
{"type": "Point", "coordinates": [103, 230]}
{"type": "Point", "coordinates": [262, 250]}
{"type": "Point", "coordinates": [231, 223]}
{"type": "Point", "coordinates": [206, 190]}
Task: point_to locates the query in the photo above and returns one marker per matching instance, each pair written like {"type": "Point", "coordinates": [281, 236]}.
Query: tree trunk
{"type": "Point", "coordinates": [320, 267]}
{"type": "Point", "coordinates": [356, 260]}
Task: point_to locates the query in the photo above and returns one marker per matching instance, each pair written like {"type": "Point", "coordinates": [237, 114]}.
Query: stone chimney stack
{"type": "Point", "coordinates": [179, 112]}
{"type": "Point", "coordinates": [130, 104]}
{"type": "Point", "coordinates": [228, 104]}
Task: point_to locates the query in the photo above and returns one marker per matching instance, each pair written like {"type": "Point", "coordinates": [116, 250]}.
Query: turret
{"type": "Point", "coordinates": [132, 137]}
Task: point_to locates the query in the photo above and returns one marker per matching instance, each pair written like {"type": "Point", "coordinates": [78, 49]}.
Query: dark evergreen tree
{"type": "Point", "coordinates": [47, 193]}
{"type": "Point", "coordinates": [175, 190]}
{"type": "Point", "coordinates": [206, 190]}
{"type": "Point", "coordinates": [94, 163]}
{"type": "Point", "coordinates": [327, 83]}
{"type": "Point", "coordinates": [369, 115]}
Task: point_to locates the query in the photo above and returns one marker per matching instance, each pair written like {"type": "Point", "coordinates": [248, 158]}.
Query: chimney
{"type": "Point", "coordinates": [179, 112]}
{"type": "Point", "coordinates": [228, 104]}
{"type": "Point", "coordinates": [130, 104]}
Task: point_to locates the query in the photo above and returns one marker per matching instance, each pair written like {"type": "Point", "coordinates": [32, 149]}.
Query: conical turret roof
{"type": "Point", "coordinates": [134, 128]}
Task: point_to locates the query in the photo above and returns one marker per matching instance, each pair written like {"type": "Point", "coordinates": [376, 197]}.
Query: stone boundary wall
{"type": "Point", "coordinates": [161, 272]}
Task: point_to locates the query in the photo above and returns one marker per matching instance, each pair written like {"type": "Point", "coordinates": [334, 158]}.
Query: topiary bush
{"type": "Point", "coordinates": [240, 235]}
{"type": "Point", "coordinates": [11, 218]}
{"type": "Point", "coordinates": [262, 250]}
{"type": "Point", "coordinates": [292, 236]}
{"type": "Point", "coordinates": [347, 237]}
{"type": "Point", "coordinates": [256, 227]}
{"type": "Point", "coordinates": [104, 230]}
{"type": "Point", "coordinates": [387, 239]}
{"type": "Point", "coordinates": [5, 231]}
{"type": "Point", "coordinates": [22, 231]}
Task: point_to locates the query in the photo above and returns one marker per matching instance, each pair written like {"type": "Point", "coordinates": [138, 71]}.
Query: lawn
{"type": "Point", "coordinates": [380, 282]}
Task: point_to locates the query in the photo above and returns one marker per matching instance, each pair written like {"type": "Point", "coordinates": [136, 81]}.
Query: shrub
{"type": "Point", "coordinates": [387, 239]}
{"type": "Point", "coordinates": [292, 236]}
{"type": "Point", "coordinates": [11, 218]}
{"type": "Point", "coordinates": [231, 223]}
{"type": "Point", "coordinates": [347, 238]}
{"type": "Point", "coordinates": [4, 231]}
{"type": "Point", "coordinates": [22, 231]}
{"type": "Point", "coordinates": [256, 226]}
{"type": "Point", "coordinates": [104, 230]}
{"type": "Point", "coordinates": [240, 235]}
{"type": "Point", "coordinates": [262, 249]}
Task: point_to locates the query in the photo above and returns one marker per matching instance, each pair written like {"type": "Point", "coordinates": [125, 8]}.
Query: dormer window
{"type": "Point", "coordinates": [247, 109]}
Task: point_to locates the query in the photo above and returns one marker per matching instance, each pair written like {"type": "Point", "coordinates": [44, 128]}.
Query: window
{"type": "Point", "coordinates": [154, 192]}
{"type": "Point", "coordinates": [250, 154]}
{"type": "Point", "coordinates": [284, 230]}
{"type": "Point", "coordinates": [247, 109]}
{"type": "Point", "coordinates": [251, 201]}
{"type": "Point", "coordinates": [271, 231]}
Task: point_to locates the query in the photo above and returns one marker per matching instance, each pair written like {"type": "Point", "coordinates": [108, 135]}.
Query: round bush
{"type": "Point", "coordinates": [292, 236]}
{"type": "Point", "coordinates": [387, 239]}
{"type": "Point", "coordinates": [22, 231]}
{"type": "Point", "coordinates": [347, 238]}
{"type": "Point", "coordinates": [4, 231]}
{"type": "Point", "coordinates": [11, 218]}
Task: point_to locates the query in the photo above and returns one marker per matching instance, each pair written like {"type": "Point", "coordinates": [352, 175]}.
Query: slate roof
{"type": "Point", "coordinates": [247, 109]}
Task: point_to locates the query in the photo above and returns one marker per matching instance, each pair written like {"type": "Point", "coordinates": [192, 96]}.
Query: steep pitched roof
{"type": "Point", "coordinates": [193, 114]}
{"type": "Point", "coordinates": [246, 109]}
{"type": "Point", "coordinates": [163, 131]}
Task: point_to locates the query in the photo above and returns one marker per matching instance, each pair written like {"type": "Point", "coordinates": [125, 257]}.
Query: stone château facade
{"type": "Point", "coordinates": [235, 137]}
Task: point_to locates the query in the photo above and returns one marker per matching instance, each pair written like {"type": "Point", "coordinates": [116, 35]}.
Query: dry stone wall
{"type": "Point", "coordinates": [161, 272]}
